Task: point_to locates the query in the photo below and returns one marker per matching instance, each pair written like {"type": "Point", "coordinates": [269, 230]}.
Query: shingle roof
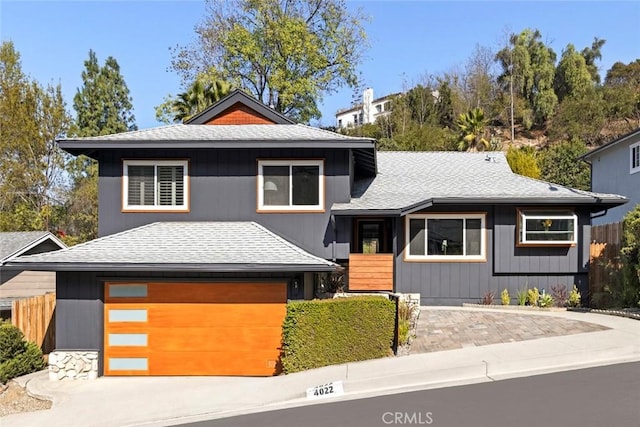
{"type": "Point", "coordinates": [15, 242]}
{"type": "Point", "coordinates": [410, 179]}
{"type": "Point", "coordinates": [218, 133]}
{"type": "Point", "coordinates": [180, 246]}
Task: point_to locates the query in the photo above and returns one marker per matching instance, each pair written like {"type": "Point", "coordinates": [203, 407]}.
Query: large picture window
{"type": "Point", "coordinates": [445, 237]}
{"type": "Point", "coordinates": [290, 185]}
{"type": "Point", "coordinates": [634, 151]}
{"type": "Point", "coordinates": [155, 185]}
{"type": "Point", "coordinates": [547, 227]}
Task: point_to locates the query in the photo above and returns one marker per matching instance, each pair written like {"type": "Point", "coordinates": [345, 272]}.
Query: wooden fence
{"type": "Point", "coordinates": [604, 257]}
{"type": "Point", "coordinates": [35, 318]}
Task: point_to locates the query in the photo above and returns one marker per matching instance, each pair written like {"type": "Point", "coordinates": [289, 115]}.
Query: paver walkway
{"type": "Point", "coordinates": [439, 330]}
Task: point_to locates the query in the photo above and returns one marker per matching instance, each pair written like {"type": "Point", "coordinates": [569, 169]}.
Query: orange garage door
{"type": "Point", "coordinates": [193, 328]}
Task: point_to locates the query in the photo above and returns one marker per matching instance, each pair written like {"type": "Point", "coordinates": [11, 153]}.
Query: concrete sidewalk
{"type": "Point", "coordinates": [161, 401]}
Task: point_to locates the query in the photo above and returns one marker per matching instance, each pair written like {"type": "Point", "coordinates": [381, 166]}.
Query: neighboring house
{"type": "Point", "coordinates": [615, 168]}
{"type": "Point", "coordinates": [364, 113]}
{"type": "Point", "coordinates": [208, 227]}
{"type": "Point", "coordinates": [17, 284]}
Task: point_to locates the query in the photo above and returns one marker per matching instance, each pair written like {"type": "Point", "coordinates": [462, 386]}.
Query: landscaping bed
{"type": "Point", "coordinates": [15, 399]}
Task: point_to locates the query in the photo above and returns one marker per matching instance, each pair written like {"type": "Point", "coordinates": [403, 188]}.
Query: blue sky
{"type": "Point", "coordinates": [408, 39]}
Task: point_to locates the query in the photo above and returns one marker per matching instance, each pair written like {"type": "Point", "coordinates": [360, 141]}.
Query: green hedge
{"type": "Point", "coordinates": [17, 356]}
{"type": "Point", "coordinates": [327, 332]}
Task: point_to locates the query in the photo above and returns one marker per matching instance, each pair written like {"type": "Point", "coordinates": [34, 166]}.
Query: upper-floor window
{"type": "Point", "coordinates": [446, 237]}
{"type": "Point", "coordinates": [379, 108]}
{"type": "Point", "coordinates": [296, 185]}
{"type": "Point", "coordinates": [547, 227]}
{"type": "Point", "coordinates": [157, 185]}
{"type": "Point", "coordinates": [634, 150]}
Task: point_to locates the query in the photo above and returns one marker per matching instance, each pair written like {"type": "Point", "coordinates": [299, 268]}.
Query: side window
{"type": "Point", "coordinates": [161, 185]}
{"type": "Point", "coordinates": [290, 185]}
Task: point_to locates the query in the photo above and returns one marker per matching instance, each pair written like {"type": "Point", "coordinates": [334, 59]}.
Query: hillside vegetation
{"type": "Point", "coordinates": [544, 110]}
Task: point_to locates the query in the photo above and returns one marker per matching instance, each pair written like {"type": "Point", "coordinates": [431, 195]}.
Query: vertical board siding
{"type": "Point", "coordinates": [34, 316]}
{"type": "Point", "coordinates": [443, 283]}
{"type": "Point", "coordinates": [223, 188]}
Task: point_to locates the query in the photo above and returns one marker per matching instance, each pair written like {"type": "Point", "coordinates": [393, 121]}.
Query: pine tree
{"type": "Point", "coordinates": [103, 106]}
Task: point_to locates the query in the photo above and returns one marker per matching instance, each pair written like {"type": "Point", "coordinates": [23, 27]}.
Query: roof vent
{"type": "Point", "coordinates": [491, 158]}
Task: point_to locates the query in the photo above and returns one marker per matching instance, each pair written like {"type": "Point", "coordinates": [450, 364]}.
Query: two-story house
{"type": "Point", "coordinates": [615, 168]}
{"type": "Point", "coordinates": [367, 112]}
{"type": "Point", "coordinates": [209, 227]}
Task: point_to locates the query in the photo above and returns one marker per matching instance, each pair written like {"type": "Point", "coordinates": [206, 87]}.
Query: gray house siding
{"type": "Point", "coordinates": [80, 302]}
{"type": "Point", "coordinates": [446, 283]}
{"type": "Point", "coordinates": [223, 187]}
{"type": "Point", "coordinates": [610, 174]}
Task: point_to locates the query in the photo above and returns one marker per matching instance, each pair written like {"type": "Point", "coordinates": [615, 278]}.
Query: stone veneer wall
{"type": "Point", "coordinates": [73, 365]}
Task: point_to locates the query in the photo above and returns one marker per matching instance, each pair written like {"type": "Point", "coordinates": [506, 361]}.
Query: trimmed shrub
{"type": "Point", "coordinates": [30, 360]}
{"type": "Point", "coordinates": [327, 332]}
{"type": "Point", "coordinates": [17, 357]}
{"type": "Point", "coordinates": [11, 341]}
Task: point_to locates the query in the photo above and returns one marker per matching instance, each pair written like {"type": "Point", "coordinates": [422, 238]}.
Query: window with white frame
{"type": "Point", "coordinates": [155, 185]}
{"type": "Point", "coordinates": [290, 185]}
{"type": "Point", "coordinates": [634, 151]}
{"type": "Point", "coordinates": [547, 227]}
{"type": "Point", "coordinates": [433, 237]}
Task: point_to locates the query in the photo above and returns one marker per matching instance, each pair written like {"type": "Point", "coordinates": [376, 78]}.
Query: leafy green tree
{"type": "Point", "coordinates": [287, 53]}
{"type": "Point", "coordinates": [472, 127]}
{"type": "Point", "coordinates": [559, 164]}
{"type": "Point", "coordinates": [630, 251]}
{"type": "Point", "coordinates": [103, 106]}
{"type": "Point", "coordinates": [580, 117]}
{"type": "Point", "coordinates": [591, 54]}
{"type": "Point", "coordinates": [523, 161]}
{"type": "Point", "coordinates": [199, 95]}
{"type": "Point", "coordinates": [622, 93]}
{"type": "Point", "coordinates": [528, 66]}
{"type": "Point", "coordinates": [573, 77]}
{"type": "Point", "coordinates": [31, 164]}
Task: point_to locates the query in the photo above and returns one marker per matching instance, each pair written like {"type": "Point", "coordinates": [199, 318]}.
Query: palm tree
{"type": "Point", "coordinates": [198, 97]}
{"type": "Point", "coordinates": [472, 130]}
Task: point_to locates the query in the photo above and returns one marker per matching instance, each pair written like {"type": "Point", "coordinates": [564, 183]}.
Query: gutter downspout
{"type": "Point", "coordinates": [335, 237]}
{"type": "Point", "coordinates": [592, 217]}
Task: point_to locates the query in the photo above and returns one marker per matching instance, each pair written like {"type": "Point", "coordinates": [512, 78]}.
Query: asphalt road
{"type": "Point", "coordinates": [598, 397]}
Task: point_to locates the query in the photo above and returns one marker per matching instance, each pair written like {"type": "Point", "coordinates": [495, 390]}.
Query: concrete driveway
{"type": "Point", "coordinates": [161, 401]}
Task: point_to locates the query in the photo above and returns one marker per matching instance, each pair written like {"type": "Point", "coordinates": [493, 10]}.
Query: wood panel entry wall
{"type": "Point", "coordinates": [193, 328]}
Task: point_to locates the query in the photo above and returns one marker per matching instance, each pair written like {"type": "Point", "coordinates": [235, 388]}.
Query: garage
{"type": "Point", "coordinates": [193, 328]}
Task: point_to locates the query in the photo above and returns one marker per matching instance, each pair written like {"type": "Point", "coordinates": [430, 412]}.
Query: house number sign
{"type": "Point", "coordinates": [325, 390]}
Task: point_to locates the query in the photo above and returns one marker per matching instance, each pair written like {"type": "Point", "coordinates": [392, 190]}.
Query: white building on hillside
{"type": "Point", "coordinates": [367, 112]}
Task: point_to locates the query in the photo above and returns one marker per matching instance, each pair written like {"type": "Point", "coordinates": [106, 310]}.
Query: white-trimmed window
{"type": "Point", "coordinates": [296, 185]}
{"type": "Point", "coordinates": [446, 237]}
{"type": "Point", "coordinates": [547, 227]}
{"type": "Point", "coordinates": [634, 151]}
{"type": "Point", "coordinates": [161, 185]}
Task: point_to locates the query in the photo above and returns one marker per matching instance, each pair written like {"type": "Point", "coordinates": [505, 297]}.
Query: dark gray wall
{"type": "Point", "coordinates": [80, 302]}
{"type": "Point", "coordinates": [223, 188]}
{"type": "Point", "coordinates": [445, 283]}
{"type": "Point", "coordinates": [610, 174]}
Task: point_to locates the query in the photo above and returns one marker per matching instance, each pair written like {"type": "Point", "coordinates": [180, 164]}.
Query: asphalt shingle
{"type": "Point", "coordinates": [184, 243]}
{"type": "Point", "coordinates": [12, 242]}
{"type": "Point", "coordinates": [409, 178]}
{"type": "Point", "coordinates": [183, 132]}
